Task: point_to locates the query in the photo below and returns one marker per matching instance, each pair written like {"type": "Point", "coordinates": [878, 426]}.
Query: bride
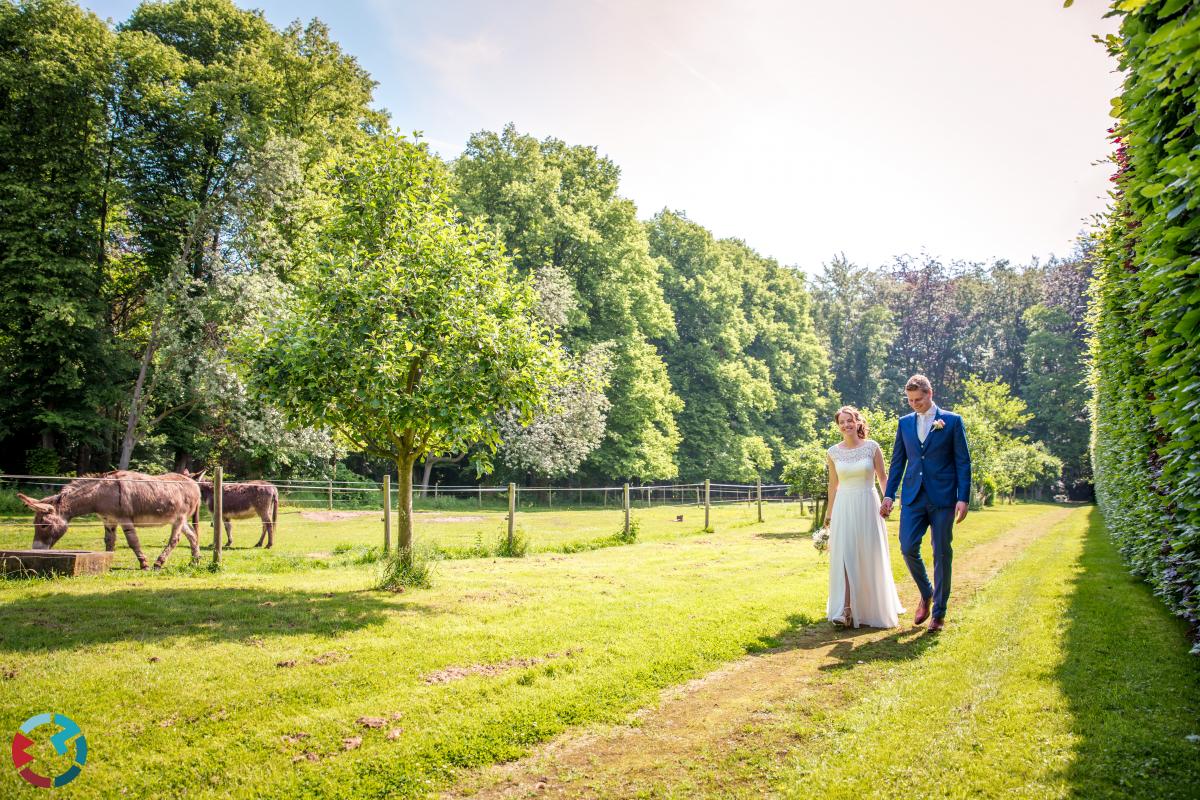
{"type": "Point", "coordinates": [861, 588]}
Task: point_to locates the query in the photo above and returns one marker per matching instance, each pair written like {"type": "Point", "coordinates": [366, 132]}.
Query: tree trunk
{"type": "Point", "coordinates": [404, 519]}
{"type": "Point", "coordinates": [136, 404]}
{"type": "Point", "coordinates": [432, 461]}
{"type": "Point", "coordinates": [429, 462]}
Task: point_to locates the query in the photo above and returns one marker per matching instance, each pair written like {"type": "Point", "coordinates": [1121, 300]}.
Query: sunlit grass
{"type": "Point", "coordinates": [188, 682]}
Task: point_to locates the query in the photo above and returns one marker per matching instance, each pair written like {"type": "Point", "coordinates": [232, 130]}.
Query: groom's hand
{"type": "Point", "coordinates": [885, 508]}
{"type": "Point", "coordinates": [960, 511]}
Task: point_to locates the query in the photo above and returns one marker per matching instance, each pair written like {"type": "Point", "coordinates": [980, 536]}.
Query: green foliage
{"type": "Point", "coordinates": [1000, 454]}
{"type": "Point", "coordinates": [989, 490]}
{"type": "Point", "coordinates": [630, 536]}
{"type": "Point", "coordinates": [806, 471]}
{"type": "Point", "coordinates": [412, 335]}
{"type": "Point", "coordinates": [41, 461]}
{"type": "Point", "coordinates": [57, 361]}
{"type": "Point", "coordinates": [517, 547]}
{"type": "Point", "coordinates": [1147, 307]}
{"type": "Point", "coordinates": [406, 567]}
{"type": "Point", "coordinates": [744, 354]}
{"type": "Point", "coordinates": [557, 206]}
{"type": "Point", "coordinates": [1053, 385]}
{"type": "Point", "coordinates": [858, 332]}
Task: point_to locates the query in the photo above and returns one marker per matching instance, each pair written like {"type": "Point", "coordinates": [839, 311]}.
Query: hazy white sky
{"type": "Point", "coordinates": [970, 130]}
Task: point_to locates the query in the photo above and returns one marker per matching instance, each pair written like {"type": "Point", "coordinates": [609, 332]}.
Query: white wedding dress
{"type": "Point", "coordinates": [860, 564]}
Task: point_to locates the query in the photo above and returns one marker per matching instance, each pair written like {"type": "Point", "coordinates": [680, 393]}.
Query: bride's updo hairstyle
{"type": "Point", "coordinates": [855, 415]}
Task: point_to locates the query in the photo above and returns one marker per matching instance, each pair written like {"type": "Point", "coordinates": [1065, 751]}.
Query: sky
{"type": "Point", "coordinates": [970, 131]}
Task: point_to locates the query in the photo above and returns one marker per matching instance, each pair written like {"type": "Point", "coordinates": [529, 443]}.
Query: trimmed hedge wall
{"type": "Point", "coordinates": [1146, 306]}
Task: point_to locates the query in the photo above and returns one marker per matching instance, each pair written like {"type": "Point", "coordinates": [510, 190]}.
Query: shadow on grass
{"type": "Point", "coordinates": [49, 622]}
{"type": "Point", "coordinates": [1132, 688]}
{"type": "Point", "coordinates": [783, 535]}
{"type": "Point", "coordinates": [804, 632]}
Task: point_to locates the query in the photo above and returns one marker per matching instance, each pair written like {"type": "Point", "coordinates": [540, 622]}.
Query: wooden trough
{"type": "Point", "coordinates": [54, 562]}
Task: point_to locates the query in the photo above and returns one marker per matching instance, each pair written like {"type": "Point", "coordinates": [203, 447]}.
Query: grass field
{"type": "Point", "coordinates": [253, 682]}
{"type": "Point", "coordinates": [307, 538]}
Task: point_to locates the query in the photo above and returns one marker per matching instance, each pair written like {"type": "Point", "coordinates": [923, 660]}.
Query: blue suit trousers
{"type": "Point", "coordinates": [916, 518]}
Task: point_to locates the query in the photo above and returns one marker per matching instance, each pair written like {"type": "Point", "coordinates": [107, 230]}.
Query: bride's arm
{"type": "Point", "coordinates": [833, 484]}
{"type": "Point", "coordinates": [879, 471]}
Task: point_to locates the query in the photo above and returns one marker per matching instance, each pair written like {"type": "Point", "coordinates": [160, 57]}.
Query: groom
{"type": "Point", "coordinates": [931, 453]}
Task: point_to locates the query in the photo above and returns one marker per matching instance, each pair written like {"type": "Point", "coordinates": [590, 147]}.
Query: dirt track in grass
{"type": "Point", "coordinates": [713, 735]}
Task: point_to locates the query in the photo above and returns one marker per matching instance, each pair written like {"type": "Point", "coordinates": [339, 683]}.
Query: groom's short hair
{"type": "Point", "coordinates": [919, 383]}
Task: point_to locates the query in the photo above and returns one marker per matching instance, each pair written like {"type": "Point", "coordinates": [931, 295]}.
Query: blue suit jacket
{"type": "Point", "coordinates": [942, 465]}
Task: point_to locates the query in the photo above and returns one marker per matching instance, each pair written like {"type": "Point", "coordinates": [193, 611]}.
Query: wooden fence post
{"type": "Point", "coordinates": [480, 488]}
{"type": "Point", "coordinates": [625, 495]}
{"type": "Point", "coordinates": [760, 519]}
{"type": "Point", "coordinates": [550, 496]}
{"type": "Point", "coordinates": [707, 503]}
{"type": "Point", "coordinates": [218, 513]}
{"type": "Point", "coordinates": [512, 511]}
{"type": "Point", "coordinates": [387, 514]}
{"type": "Point", "coordinates": [330, 495]}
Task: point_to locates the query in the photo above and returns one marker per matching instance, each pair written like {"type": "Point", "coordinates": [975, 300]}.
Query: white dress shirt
{"type": "Point", "coordinates": [924, 421]}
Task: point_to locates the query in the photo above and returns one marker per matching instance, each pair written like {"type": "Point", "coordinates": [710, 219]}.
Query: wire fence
{"type": "Point", "coordinates": [332, 495]}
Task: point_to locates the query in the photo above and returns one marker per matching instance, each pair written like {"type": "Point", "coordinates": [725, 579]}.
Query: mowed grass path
{"type": "Point", "coordinates": [1065, 677]}
{"type": "Point", "coordinates": [175, 676]}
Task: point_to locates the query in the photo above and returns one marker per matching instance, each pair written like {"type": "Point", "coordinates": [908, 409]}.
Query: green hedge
{"type": "Point", "coordinates": [1146, 305]}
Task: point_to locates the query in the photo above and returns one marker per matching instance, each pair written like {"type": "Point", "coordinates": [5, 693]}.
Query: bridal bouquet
{"type": "Point", "coordinates": [820, 539]}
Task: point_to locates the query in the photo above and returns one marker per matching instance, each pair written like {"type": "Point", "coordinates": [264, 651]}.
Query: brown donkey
{"type": "Point", "coordinates": [244, 500]}
{"type": "Point", "coordinates": [120, 498]}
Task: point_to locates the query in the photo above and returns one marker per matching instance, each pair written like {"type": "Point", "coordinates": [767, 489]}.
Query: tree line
{"type": "Point", "coordinates": [173, 185]}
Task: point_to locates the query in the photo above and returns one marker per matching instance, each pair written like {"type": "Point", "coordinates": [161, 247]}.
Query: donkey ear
{"type": "Point", "coordinates": [36, 505]}
{"type": "Point", "coordinates": [199, 476]}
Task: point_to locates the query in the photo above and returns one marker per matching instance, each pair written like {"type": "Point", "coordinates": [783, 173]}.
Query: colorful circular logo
{"type": "Point", "coordinates": [61, 741]}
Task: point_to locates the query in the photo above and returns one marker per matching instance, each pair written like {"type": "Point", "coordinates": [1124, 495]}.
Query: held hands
{"type": "Point", "coordinates": [885, 508]}
{"type": "Point", "coordinates": [960, 511]}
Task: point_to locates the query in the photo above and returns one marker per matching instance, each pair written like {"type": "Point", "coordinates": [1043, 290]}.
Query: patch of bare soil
{"type": "Point", "coordinates": [684, 745]}
{"type": "Point", "coordinates": [498, 668]}
{"type": "Point", "coordinates": [426, 517]}
{"type": "Point", "coordinates": [335, 516]}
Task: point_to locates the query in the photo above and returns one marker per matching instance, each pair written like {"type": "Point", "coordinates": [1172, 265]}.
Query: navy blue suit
{"type": "Point", "coordinates": [937, 474]}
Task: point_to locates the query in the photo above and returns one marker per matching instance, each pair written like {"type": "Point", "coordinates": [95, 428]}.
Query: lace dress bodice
{"type": "Point", "coordinates": [855, 466]}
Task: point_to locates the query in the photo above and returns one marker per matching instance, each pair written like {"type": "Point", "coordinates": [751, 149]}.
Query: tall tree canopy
{"type": "Point", "coordinates": [412, 337]}
{"type": "Point", "coordinates": [744, 355]}
{"type": "Point", "coordinates": [57, 358]}
{"type": "Point", "coordinates": [557, 204]}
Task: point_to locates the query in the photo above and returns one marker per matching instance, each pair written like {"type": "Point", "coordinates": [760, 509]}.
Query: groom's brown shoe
{"type": "Point", "coordinates": [922, 612]}
{"type": "Point", "coordinates": [936, 625]}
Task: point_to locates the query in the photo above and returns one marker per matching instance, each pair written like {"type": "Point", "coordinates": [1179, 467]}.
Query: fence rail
{"type": "Point", "coordinates": [312, 493]}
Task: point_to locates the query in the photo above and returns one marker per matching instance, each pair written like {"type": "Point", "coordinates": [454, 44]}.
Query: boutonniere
{"type": "Point", "coordinates": [938, 424]}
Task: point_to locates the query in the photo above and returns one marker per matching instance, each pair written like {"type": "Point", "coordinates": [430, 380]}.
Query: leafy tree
{"type": "Point", "coordinates": [223, 129]}
{"type": "Point", "coordinates": [412, 337]}
{"type": "Point", "coordinates": [857, 330]}
{"type": "Point", "coordinates": [1001, 456]}
{"type": "Point", "coordinates": [806, 471]}
{"type": "Point", "coordinates": [558, 440]}
{"type": "Point", "coordinates": [744, 357]}
{"type": "Point", "coordinates": [1021, 464]}
{"type": "Point", "coordinates": [557, 205]}
{"type": "Point", "coordinates": [57, 360]}
{"type": "Point", "coordinates": [1054, 387]}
